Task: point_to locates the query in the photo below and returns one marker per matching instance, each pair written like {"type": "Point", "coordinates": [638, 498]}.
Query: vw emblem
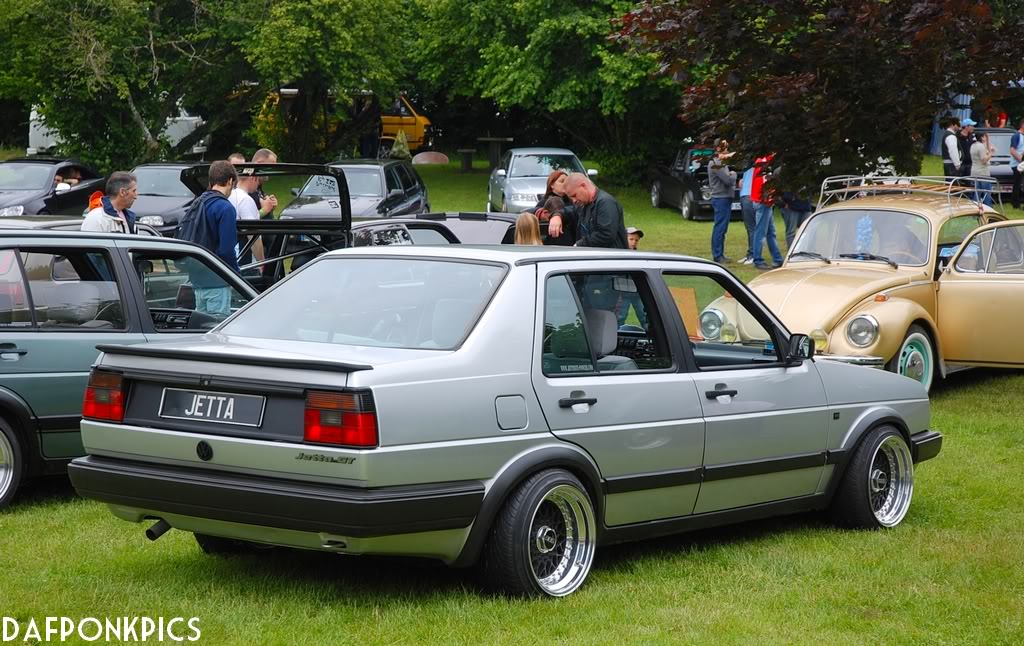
{"type": "Point", "coordinates": [204, 451]}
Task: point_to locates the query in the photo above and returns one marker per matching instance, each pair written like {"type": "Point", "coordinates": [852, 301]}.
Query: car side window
{"type": "Point", "coordinates": [602, 322]}
{"type": "Point", "coordinates": [954, 231]}
{"type": "Point", "coordinates": [1007, 251]}
{"type": "Point", "coordinates": [427, 236]}
{"type": "Point", "coordinates": [721, 330]}
{"type": "Point", "coordinates": [406, 178]}
{"type": "Point", "coordinates": [74, 289]}
{"type": "Point", "coordinates": [184, 291]}
{"type": "Point", "coordinates": [505, 161]}
{"type": "Point", "coordinates": [392, 180]}
{"type": "Point", "coordinates": [975, 256]}
{"type": "Point", "coordinates": [387, 236]}
{"type": "Point", "coordinates": [14, 309]}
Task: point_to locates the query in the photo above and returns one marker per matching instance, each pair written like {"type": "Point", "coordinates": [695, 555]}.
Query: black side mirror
{"type": "Point", "coordinates": [295, 191]}
{"type": "Point", "coordinates": [801, 348]}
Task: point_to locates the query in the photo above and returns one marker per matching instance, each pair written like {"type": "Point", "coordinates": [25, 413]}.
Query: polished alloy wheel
{"type": "Point", "coordinates": [562, 540]}
{"type": "Point", "coordinates": [686, 208]}
{"type": "Point", "coordinates": [891, 481]}
{"type": "Point", "coordinates": [655, 195]}
{"type": "Point", "coordinates": [916, 360]}
{"type": "Point", "coordinates": [6, 465]}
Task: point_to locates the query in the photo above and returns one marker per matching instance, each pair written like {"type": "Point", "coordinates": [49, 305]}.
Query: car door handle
{"type": "Point", "coordinates": [10, 348]}
{"type": "Point", "coordinates": [720, 392]}
{"type": "Point", "coordinates": [569, 402]}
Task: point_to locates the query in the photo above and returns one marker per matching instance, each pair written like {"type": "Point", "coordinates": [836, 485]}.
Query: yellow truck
{"type": "Point", "coordinates": [401, 115]}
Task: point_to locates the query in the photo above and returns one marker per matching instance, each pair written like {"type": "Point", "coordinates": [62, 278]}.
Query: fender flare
{"type": "Point", "coordinates": [19, 415]}
{"type": "Point", "coordinates": [568, 457]}
{"type": "Point", "coordinates": [909, 312]}
{"type": "Point", "coordinates": [867, 422]}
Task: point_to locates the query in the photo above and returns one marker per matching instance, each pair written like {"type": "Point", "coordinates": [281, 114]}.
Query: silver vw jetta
{"type": "Point", "coordinates": [510, 407]}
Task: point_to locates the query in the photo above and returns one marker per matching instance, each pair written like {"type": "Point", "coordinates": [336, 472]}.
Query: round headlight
{"type": "Point", "coordinates": [862, 331]}
{"type": "Point", "coordinates": [152, 220]}
{"type": "Point", "coordinates": [820, 339]}
{"type": "Point", "coordinates": [711, 324]}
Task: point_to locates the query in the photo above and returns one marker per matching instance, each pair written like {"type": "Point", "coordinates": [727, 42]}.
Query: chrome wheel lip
{"type": "Point", "coordinates": [890, 483]}
{"type": "Point", "coordinates": [580, 538]}
{"type": "Point", "coordinates": [6, 465]}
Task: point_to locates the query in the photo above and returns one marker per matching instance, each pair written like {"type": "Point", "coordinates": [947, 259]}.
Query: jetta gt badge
{"type": "Point", "coordinates": [320, 457]}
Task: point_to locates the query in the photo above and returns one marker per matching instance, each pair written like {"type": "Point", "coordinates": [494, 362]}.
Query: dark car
{"type": "Point", "coordinates": [163, 198]}
{"type": "Point", "coordinates": [1001, 166]}
{"type": "Point", "coordinates": [46, 186]}
{"type": "Point", "coordinates": [684, 185]}
{"type": "Point", "coordinates": [377, 188]}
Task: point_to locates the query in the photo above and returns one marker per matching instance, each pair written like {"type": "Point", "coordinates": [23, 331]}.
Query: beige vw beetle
{"type": "Point", "coordinates": [910, 274]}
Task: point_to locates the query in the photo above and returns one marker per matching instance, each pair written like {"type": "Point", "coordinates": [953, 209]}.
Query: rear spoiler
{"type": "Point", "coordinates": [196, 355]}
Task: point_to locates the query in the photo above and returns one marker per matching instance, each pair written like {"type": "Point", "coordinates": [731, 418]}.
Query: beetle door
{"type": "Point", "coordinates": [981, 299]}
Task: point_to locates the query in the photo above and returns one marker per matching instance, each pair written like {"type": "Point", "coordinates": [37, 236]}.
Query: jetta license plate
{"type": "Point", "coordinates": [206, 406]}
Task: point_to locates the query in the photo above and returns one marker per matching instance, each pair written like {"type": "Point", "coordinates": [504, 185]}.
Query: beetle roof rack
{"type": "Point", "coordinates": [954, 189]}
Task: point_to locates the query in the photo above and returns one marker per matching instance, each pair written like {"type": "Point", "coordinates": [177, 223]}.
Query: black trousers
{"type": "Point", "coordinates": [1015, 195]}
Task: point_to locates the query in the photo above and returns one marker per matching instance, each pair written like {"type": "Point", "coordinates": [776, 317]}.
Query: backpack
{"type": "Point", "coordinates": [194, 226]}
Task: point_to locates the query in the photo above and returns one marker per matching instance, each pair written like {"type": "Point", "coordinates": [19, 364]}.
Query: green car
{"type": "Point", "coordinates": [62, 293]}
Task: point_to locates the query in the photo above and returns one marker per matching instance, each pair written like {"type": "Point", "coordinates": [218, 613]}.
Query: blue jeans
{"type": "Point", "coordinates": [749, 222]}
{"type": "Point", "coordinates": [764, 231]}
{"type": "Point", "coordinates": [984, 197]}
{"type": "Point", "coordinates": [213, 300]}
{"type": "Point", "coordinates": [722, 207]}
{"type": "Point", "coordinates": [793, 220]}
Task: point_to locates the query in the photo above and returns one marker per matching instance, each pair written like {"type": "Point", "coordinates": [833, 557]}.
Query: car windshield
{"type": "Point", "coordinates": [161, 182]}
{"type": "Point", "coordinates": [24, 177]}
{"type": "Point", "coordinates": [870, 235]}
{"type": "Point", "coordinates": [362, 182]}
{"type": "Point", "coordinates": [542, 165]}
{"type": "Point", "coordinates": [1001, 142]}
{"type": "Point", "coordinates": [377, 302]}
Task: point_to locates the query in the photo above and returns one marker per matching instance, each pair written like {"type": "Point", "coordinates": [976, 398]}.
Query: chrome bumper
{"type": "Point", "coordinates": [856, 360]}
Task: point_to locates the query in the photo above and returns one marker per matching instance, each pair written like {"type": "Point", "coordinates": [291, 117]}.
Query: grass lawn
{"type": "Point", "coordinates": [950, 574]}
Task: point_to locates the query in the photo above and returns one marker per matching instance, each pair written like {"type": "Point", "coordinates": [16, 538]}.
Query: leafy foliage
{"type": "Point", "coordinates": [848, 80]}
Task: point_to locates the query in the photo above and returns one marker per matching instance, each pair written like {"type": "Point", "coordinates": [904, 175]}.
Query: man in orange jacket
{"type": "Point", "coordinates": [764, 226]}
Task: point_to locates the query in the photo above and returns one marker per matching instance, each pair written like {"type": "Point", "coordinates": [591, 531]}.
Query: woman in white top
{"type": "Point", "coordinates": [981, 155]}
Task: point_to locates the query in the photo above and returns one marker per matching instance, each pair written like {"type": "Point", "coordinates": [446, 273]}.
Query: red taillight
{"type": "Point", "coordinates": [347, 419]}
{"type": "Point", "coordinates": [104, 397]}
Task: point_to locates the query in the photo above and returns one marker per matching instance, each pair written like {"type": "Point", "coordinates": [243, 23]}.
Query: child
{"type": "Point", "coordinates": [528, 229]}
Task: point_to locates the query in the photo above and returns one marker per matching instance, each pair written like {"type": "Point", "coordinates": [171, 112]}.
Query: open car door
{"type": "Point", "coordinates": [981, 298]}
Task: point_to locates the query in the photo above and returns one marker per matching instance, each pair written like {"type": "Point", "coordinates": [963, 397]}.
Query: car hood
{"type": "Point", "coordinates": [530, 185]}
{"type": "Point", "coordinates": [14, 198]}
{"type": "Point", "coordinates": [316, 207]}
{"type": "Point", "coordinates": [161, 205]}
{"type": "Point", "coordinates": [812, 296]}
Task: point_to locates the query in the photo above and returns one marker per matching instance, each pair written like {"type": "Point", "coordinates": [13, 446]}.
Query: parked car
{"type": "Point", "coordinates": [376, 189]}
{"type": "Point", "coordinates": [46, 186]}
{"type": "Point", "coordinates": [684, 185]}
{"type": "Point", "coordinates": [469, 404]}
{"type": "Point", "coordinates": [520, 180]}
{"type": "Point", "coordinates": [1000, 166]}
{"type": "Point", "coordinates": [163, 198]}
{"type": "Point", "coordinates": [61, 293]}
{"type": "Point", "coordinates": [402, 115]}
{"type": "Point", "coordinates": [869, 278]}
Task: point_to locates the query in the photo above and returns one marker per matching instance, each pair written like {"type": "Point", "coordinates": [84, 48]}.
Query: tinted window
{"type": "Point", "coordinates": [722, 331]}
{"type": "Point", "coordinates": [24, 177]}
{"type": "Point", "coordinates": [74, 289]}
{"type": "Point", "coordinates": [163, 182]}
{"type": "Point", "coordinates": [603, 320]}
{"type": "Point", "coordinates": [542, 165]}
{"type": "Point", "coordinates": [427, 236]}
{"type": "Point", "coordinates": [183, 291]}
{"type": "Point", "coordinates": [408, 181]}
{"type": "Point", "coordinates": [392, 180]}
{"type": "Point", "coordinates": [14, 309]}
{"type": "Point", "coordinates": [380, 302]}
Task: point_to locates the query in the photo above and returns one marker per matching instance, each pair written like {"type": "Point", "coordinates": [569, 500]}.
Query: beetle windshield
{"type": "Point", "coordinates": [852, 234]}
{"type": "Point", "coordinates": [542, 165]}
{"type": "Point", "coordinates": [378, 302]}
{"type": "Point", "coordinates": [24, 177]}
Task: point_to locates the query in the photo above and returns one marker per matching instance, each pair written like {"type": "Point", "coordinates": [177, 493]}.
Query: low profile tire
{"type": "Point", "coordinates": [915, 358]}
{"type": "Point", "coordinates": [219, 546]}
{"type": "Point", "coordinates": [12, 463]}
{"type": "Point", "coordinates": [656, 195]}
{"type": "Point", "coordinates": [543, 540]}
{"type": "Point", "coordinates": [688, 208]}
{"type": "Point", "coordinates": [878, 484]}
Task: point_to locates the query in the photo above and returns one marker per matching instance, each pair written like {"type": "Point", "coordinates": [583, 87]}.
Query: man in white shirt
{"type": "Point", "coordinates": [244, 205]}
{"type": "Point", "coordinates": [951, 149]}
{"type": "Point", "coordinates": [113, 215]}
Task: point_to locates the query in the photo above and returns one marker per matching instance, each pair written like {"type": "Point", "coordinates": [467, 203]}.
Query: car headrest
{"type": "Point", "coordinates": [604, 331]}
{"type": "Point", "coordinates": [73, 303]}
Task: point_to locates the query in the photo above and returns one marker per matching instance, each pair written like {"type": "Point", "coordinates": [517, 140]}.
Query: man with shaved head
{"type": "Point", "coordinates": [599, 219]}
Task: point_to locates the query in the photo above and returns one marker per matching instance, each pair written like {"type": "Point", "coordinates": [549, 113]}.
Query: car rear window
{"type": "Point", "coordinates": [377, 302]}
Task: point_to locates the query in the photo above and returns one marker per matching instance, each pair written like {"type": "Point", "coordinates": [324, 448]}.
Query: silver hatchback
{"type": "Point", "coordinates": [509, 407]}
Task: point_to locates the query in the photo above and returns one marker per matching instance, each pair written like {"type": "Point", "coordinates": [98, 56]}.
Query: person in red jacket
{"type": "Point", "coordinates": [764, 210]}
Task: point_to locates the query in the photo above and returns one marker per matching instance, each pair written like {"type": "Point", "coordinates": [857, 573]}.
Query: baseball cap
{"type": "Point", "coordinates": [968, 122]}
{"type": "Point", "coordinates": [635, 230]}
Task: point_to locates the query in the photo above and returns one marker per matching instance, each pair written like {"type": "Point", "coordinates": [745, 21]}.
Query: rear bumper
{"type": "Point", "coordinates": [277, 503]}
{"type": "Point", "coordinates": [925, 445]}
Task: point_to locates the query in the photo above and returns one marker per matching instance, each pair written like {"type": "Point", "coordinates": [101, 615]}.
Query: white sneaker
{"type": "Point", "coordinates": [747, 261]}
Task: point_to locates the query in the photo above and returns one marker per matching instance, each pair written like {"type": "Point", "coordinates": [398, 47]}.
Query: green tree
{"type": "Point", "coordinates": [848, 80]}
